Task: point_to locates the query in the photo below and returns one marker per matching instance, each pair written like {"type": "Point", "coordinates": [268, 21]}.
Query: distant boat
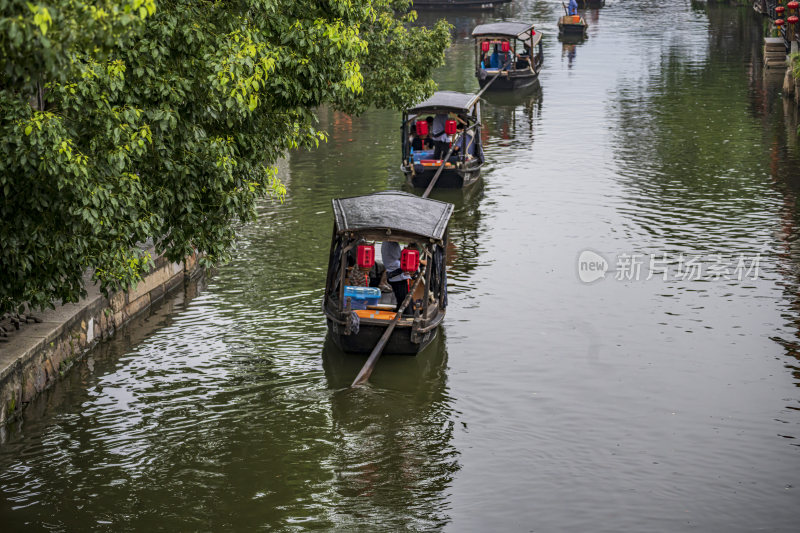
{"type": "Point", "coordinates": [457, 4]}
{"type": "Point", "coordinates": [517, 68]}
{"type": "Point", "coordinates": [464, 167]}
{"type": "Point", "coordinates": [572, 26]}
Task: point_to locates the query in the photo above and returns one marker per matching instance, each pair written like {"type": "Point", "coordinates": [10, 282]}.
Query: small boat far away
{"type": "Point", "coordinates": [428, 129]}
{"type": "Point", "coordinates": [497, 51]}
{"type": "Point", "coordinates": [386, 230]}
{"type": "Point", "coordinates": [574, 26]}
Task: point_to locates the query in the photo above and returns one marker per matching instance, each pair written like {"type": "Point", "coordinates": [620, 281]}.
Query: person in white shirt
{"type": "Point", "coordinates": [441, 141]}
{"type": "Point", "coordinates": [390, 254]}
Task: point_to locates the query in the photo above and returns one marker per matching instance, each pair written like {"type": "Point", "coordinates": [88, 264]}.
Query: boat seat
{"type": "Point", "coordinates": [419, 155]}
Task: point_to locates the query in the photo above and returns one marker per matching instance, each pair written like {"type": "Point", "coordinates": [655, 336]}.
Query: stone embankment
{"type": "Point", "coordinates": [38, 354]}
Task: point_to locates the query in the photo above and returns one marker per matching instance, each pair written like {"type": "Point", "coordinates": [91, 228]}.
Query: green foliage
{"type": "Point", "coordinates": [794, 61]}
{"type": "Point", "coordinates": [163, 121]}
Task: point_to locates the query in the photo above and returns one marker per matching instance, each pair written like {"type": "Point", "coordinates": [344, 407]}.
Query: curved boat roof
{"type": "Point", "coordinates": [394, 210]}
{"type": "Point", "coordinates": [507, 29]}
{"type": "Point", "coordinates": [449, 100]}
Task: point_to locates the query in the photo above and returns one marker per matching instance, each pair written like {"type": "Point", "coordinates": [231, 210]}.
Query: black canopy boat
{"type": "Point", "coordinates": [356, 312]}
{"type": "Point", "coordinates": [462, 117]}
{"type": "Point", "coordinates": [497, 49]}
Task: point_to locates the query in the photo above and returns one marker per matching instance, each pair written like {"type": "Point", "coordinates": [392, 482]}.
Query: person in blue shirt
{"type": "Point", "coordinates": [572, 9]}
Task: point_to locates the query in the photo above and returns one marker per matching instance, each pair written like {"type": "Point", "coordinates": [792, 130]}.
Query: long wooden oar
{"type": "Point", "coordinates": [455, 141]}
{"type": "Point", "coordinates": [369, 366]}
{"type": "Point", "coordinates": [441, 167]}
{"type": "Point", "coordinates": [372, 360]}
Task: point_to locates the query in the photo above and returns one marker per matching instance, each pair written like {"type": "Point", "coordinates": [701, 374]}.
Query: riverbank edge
{"type": "Point", "coordinates": [42, 353]}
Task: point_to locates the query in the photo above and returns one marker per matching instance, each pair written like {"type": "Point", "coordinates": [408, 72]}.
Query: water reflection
{"type": "Point", "coordinates": [394, 458]}
{"type": "Point", "coordinates": [511, 117]}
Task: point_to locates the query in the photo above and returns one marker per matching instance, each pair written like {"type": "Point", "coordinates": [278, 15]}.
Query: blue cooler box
{"type": "Point", "coordinates": [361, 297]}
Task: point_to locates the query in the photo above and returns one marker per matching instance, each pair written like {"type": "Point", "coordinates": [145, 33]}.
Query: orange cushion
{"type": "Point", "coordinates": [375, 314]}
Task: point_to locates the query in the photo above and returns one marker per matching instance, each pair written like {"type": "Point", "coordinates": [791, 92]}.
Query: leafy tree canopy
{"type": "Point", "coordinates": [130, 120]}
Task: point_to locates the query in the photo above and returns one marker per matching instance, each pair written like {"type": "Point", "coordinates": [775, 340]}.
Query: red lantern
{"type": "Point", "coordinates": [779, 10]}
{"type": "Point", "coordinates": [792, 20]}
{"type": "Point", "coordinates": [450, 127]}
{"type": "Point", "coordinates": [533, 32]}
{"type": "Point", "coordinates": [485, 46]}
{"type": "Point", "coordinates": [409, 260]}
{"type": "Point", "coordinates": [793, 5]}
{"type": "Point", "coordinates": [422, 128]}
{"type": "Point", "coordinates": [505, 46]}
{"type": "Point", "coordinates": [365, 256]}
{"type": "Point", "coordinates": [779, 22]}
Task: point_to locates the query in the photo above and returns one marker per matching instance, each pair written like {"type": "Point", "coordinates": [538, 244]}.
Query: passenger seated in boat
{"type": "Point", "coordinates": [427, 142]}
{"type": "Point", "coordinates": [485, 60]}
{"type": "Point", "coordinates": [499, 59]}
{"type": "Point", "coordinates": [524, 58]}
{"type": "Point", "coordinates": [416, 140]}
{"type": "Point", "coordinates": [466, 142]}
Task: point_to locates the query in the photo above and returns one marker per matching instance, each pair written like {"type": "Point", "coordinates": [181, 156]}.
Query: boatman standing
{"type": "Point", "coordinates": [390, 254]}
{"type": "Point", "coordinates": [441, 140]}
{"type": "Point", "coordinates": [573, 7]}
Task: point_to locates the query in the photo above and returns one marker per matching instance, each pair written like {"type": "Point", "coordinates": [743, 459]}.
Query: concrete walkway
{"type": "Point", "coordinates": [40, 353]}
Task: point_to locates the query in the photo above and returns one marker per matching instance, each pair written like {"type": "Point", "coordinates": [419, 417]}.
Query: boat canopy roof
{"type": "Point", "coordinates": [520, 30]}
{"type": "Point", "coordinates": [446, 100]}
{"type": "Point", "coordinates": [394, 210]}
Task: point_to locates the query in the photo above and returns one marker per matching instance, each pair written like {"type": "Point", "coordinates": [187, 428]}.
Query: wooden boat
{"type": "Point", "coordinates": [362, 223]}
{"type": "Point", "coordinates": [512, 49]}
{"type": "Point", "coordinates": [457, 4]}
{"type": "Point", "coordinates": [572, 26]}
{"type": "Point", "coordinates": [464, 168]}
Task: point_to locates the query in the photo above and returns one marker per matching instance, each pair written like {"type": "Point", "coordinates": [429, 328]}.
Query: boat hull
{"type": "Point", "coordinates": [572, 30]}
{"type": "Point", "coordinates": [504, 83]}
{"type": "Point", "coordinates": [368, 336]}
{"type": "Point", "coordinates": [449, 179]}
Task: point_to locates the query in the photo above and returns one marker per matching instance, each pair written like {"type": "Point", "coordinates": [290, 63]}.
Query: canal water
{"type": "Point", "coordinates": [660, 397]}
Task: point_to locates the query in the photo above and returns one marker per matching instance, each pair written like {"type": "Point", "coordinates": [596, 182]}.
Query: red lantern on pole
{"type": "Point", "coordinates": [485, 46]}
{"type": "Point", "coordinates": [792, 25]}
{"type": "Point", "coordinates": [793, 5]}
{"type": "Point", "coordinates": [779, 22]}
{"type": "Point", "coordinates": [422, 128]}
{"type": "Point", "coordinates": [533, 32]}
{"type": "Point", "coordinates": [779, 10]}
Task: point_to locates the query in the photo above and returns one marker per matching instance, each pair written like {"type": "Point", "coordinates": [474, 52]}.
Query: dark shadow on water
{"type": "Point", "coordinates": [393, 455]}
